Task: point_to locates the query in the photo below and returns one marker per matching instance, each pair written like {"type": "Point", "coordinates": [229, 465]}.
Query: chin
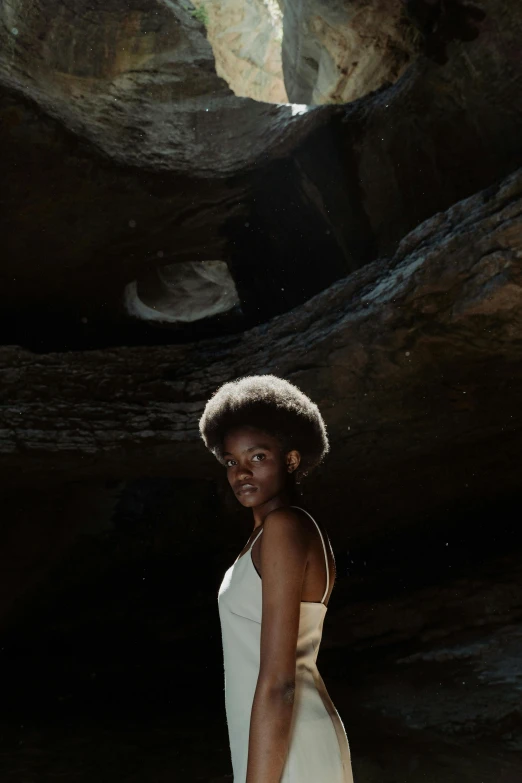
{"type": "Point", "coordinates": [249, 501]}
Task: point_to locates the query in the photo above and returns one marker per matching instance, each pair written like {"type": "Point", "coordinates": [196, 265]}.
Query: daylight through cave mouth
{"type": "Point", "coordinates": [313, 55]}
{"type": "Point", "coordinates": [246, 39]}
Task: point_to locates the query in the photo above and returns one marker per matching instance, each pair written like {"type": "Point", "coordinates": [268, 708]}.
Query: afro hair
{"type": "Point", "coordinates": [272, 405]}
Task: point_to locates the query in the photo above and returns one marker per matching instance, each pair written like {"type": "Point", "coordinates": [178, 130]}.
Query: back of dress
{"type": "Point", "coordinates": [318, 749]}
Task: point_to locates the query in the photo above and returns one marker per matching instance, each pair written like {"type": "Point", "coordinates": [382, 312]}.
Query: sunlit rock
{"type": "Point", "coordinates": [145, 131]}
{"type": "Point", "coordinates": [246, 37]}
{"type": "Point", "coordinates": [137, 79]}
{"type": "Point", "coordinates": [183, 292]}
{"type": "Point", "coordinates": [336, 52]}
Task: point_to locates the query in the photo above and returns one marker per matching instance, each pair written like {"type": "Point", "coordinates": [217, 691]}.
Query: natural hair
{"type": "Point", "coordinates": [272, 405]}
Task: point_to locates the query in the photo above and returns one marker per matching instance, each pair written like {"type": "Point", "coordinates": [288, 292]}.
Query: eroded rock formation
{"type": "Point", "coordinates": [136, 127]}
{"type": "Point", "coordinates": [338, 51]}
{"type": "Point", "coordinates": [419, 343]}
{"type": "Point", "coordinates": [246, 39]}
{"type": "Point", "coordinates": [183, 292]}
{"type": "Point", "coordinates": [142, 87]}
{"type": "Point", "coordinates": [442, 21]}
{"type": "Point", "coordinates": [139, 174]}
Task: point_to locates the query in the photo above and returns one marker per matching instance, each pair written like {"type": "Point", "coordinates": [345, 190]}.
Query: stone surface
{"type": "Point", "coordinates": [450, 642]}
{"type": "Point", "coordinates": [434, 132]}
{"type": "Point", "coordinates": [139, 83]}
{"type": "Point", "coordinates": [315, 195]}
{"type": "Point", "coordinates": [133, 147]}
{"type": "Point", "coordinates": [336, 51]}
{"type": "Point", "coordinates": [405, 357]}
{"type": "Point", "coordinates": [442, 21]}
{"type": "Point", "coordinates": [246, 37]}
{"type": "Point", "coordinates": [183, 292]}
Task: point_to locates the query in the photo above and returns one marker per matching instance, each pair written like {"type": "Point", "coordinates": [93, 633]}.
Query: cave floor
{"type": "Point", "coordinates": [145, 748]}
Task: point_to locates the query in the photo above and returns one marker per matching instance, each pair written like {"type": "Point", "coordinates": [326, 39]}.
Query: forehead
{"type": "Point", "coordinates": [241, 439]}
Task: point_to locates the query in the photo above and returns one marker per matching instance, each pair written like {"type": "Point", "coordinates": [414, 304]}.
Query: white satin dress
{"type": "Point", "coordinates": [318, 749]}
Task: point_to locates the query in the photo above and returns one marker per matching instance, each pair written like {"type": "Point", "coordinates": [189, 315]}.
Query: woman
{"type": "Point", "coordinates": [283, 727]}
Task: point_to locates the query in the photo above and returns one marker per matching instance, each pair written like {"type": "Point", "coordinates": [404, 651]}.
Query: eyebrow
{"type": "Point", "coordinates": [252, 448]}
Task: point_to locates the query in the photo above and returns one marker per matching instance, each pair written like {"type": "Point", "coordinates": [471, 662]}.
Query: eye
{"type": "Point", "coordinates": [262, 456]}
{"type": "Point", "coordinates": [227, 463]}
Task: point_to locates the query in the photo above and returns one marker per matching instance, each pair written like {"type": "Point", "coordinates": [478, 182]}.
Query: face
{"type": "Point", "coordinates": [257, 468]}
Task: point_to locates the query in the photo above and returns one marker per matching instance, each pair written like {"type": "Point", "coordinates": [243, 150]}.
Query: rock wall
{"type": "Point", "coordinates": [246, 37]}
{"type": "Point", "coordinates": [133, 137]}
{"type": "Point", "coordinates": [138, 82]}
{"type": "Point", "coordinates": [182, 292]}
{"type": "Point", "coordinates": [336, 52]}
{"type": "Point", "coordinates": [144, 162]}
{"type": "Point", "coordinates": [418, 343]}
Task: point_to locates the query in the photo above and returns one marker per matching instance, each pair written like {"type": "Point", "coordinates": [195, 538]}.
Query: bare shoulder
{"type": "Point", "coordinates": [288, 525]}
{"type": "Point", "coordinates": [286, 517]}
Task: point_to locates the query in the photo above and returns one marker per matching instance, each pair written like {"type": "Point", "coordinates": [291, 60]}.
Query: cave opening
{"type": "Point", "coordinates": [280, 51]}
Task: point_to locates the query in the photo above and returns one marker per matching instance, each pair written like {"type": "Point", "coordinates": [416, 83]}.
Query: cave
{"type": "Point", "coordinates": [330, 192]}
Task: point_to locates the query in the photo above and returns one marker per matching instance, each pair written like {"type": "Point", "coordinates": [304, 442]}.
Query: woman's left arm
{"type": "Point", "coordinates": [284, 554]}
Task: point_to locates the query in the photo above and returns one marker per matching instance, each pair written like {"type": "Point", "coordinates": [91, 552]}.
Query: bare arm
{"type": "Point", "coordinates": [284, 554]}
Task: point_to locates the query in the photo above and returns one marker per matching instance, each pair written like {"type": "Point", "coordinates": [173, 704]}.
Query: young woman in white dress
{"type": "Point", "coordinates": [282, 724]}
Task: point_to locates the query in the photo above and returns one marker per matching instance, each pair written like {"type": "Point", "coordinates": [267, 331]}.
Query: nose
{"type": "Point", "coordinates": [244, 473]}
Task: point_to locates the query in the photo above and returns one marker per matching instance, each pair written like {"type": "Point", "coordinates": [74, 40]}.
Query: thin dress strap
{"type": "Point", "coordinates": [255, 539]}
{"type": "Point", "coordinates": [324, 548]}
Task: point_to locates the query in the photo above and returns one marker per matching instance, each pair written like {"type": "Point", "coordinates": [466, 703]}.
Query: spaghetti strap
{"type": "Point", "coordinates": [324, 548]}
{"type": "Point", "coordinates": [255, 539]}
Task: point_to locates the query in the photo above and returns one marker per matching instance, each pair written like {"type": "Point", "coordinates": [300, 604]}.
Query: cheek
{"type": "Point", "coordinates": [269, 471]}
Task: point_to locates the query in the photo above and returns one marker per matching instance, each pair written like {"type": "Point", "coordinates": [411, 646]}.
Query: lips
{"type": "Point", "coordinates": [243, 488]}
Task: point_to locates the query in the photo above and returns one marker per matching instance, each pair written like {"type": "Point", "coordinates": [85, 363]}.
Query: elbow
{"type": "Point", "coordinates": [282, 691]}
{"type": "Point", "coordinates": [288, 693]}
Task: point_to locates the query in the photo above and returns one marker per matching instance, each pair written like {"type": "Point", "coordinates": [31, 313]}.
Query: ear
{"type": "Point", "coordinates": [293, 459]}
